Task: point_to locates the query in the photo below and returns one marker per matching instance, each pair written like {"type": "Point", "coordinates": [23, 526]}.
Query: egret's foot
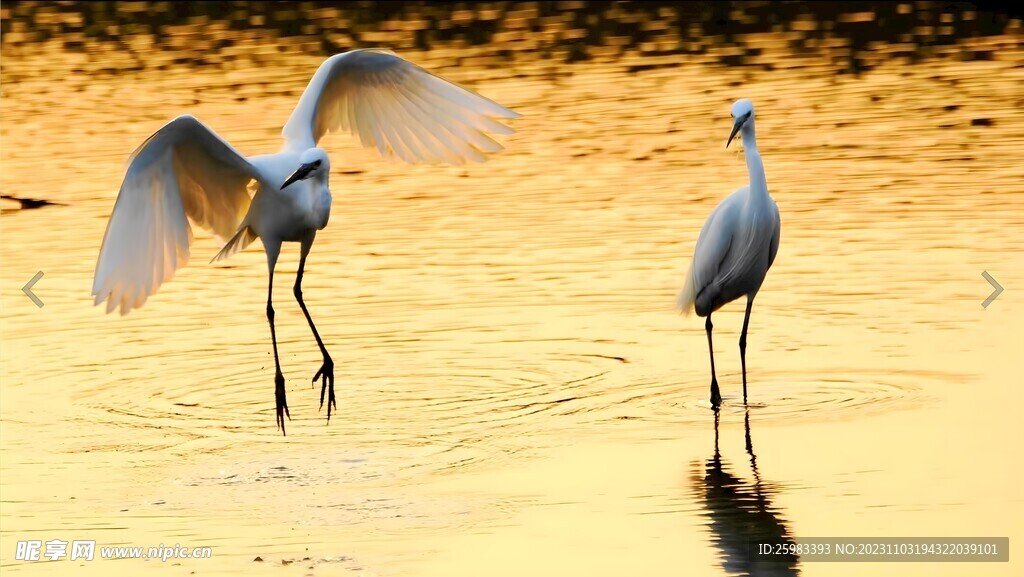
{"type": "Point", "coordinates": [282, 402]}
{"type": "Point", "coordinates": [327, 372]}
{"type": "Point", "coordinates": [716, 397]}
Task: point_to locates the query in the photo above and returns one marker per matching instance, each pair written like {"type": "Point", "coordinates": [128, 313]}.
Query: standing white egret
{"type": "Point", "coordinates": [186, 171]}
{"type": "Point", "coordinates": [736, 247]}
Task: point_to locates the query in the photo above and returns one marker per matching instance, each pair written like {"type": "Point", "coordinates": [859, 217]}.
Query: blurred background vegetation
{"type": "Point", "coordinates": [849, 36]}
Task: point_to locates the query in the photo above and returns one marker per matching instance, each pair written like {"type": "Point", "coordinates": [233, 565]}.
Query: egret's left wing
{"type": "Point", "coordinates": [399, 108]}
{"type": "Point", "coordinates": [773, 247]}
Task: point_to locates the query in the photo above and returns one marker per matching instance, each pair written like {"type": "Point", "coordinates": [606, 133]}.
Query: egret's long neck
{"type": "Point", "coordinates": [758, 183]}
{"type": "Point", "coordinates": [321, 186]}
{"type": "Point", "coordinates": [320, 199]}
{"type": "Point", "coordinates": [322, 180]}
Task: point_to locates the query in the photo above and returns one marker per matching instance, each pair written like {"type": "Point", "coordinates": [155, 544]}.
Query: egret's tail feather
{"type": "Point", "coordinates": [687, 296]}
{"type": "Point", "coordinates": [242, 239]}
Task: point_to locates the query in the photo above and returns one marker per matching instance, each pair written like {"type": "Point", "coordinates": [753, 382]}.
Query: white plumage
{"type": "Point", "coordinates": [184, 169]}
{"type": "Point", "coordinates": [736, 246]}
{"type": "Point", "coordinates": [397, 107]}
{"type": "Point", "coordinates": [186, 172]}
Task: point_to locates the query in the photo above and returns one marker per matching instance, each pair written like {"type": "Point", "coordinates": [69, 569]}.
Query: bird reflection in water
{"type": "Point", "coordinates": [741, 513]}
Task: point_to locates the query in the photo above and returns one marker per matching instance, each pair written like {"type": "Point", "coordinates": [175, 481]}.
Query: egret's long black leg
{"type": "Point", "coordinates": [327, 370]}
{"type": "Point", "coordinates": [279, 393]}
{"type": "Point", "coordinates": [743, 346]}
{"type": "Point", "coordinates": [716, 396]}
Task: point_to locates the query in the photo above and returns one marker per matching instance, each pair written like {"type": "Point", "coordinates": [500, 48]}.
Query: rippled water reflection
{"type": "Point", "coordinates": [516, 394]}
{"type": "Point", "coordinates": [740, 512]}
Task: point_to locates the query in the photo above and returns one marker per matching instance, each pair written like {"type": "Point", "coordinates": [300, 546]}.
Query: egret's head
{"type": "Point", "coordinates": [742, 112]}
{"type": "Point", "coordinates": [313, 162]}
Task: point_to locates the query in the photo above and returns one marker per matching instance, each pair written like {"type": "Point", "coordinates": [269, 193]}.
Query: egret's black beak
{"type": "Point", "coordinates": [737, 125]}
{"type": "Point", "coordinates": [301, 174]}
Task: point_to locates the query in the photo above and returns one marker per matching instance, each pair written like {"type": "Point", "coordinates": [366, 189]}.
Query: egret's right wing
{"type": "Point", "coordinates": [183, 170]}
{"type": "Point", "coordinates": [396, 106]}
{"type": "Point", "coordinates": [712, 246]}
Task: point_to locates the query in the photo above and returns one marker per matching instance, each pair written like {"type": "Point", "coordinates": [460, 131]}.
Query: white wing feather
{"type": "Point", "coordinates": [709, 253]}
{"type": "Point", "coordinates": [397, 107]}
{"type": "Point", "coordinates": [183, 170]}
{"type": "Point", "coordinates": [773, 248]}
{"type": "Point", "coordinates": [735, 249]}
{"type": "Point", "coordinates": [747, 262]}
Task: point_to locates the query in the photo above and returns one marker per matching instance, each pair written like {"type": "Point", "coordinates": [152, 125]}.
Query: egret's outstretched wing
{"type": "Point", "coordinates": [183, 170]}
{"type": "Point", "coordinates": [397, 107]}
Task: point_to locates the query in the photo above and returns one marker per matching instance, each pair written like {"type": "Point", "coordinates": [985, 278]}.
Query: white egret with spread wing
{"type": "Point", "coordinates": [185, 172]}
{"type": "Point", "coordinates": [736, 247]}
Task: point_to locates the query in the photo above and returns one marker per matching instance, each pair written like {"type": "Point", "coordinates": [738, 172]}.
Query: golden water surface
{"type": "Point", "coordinates": [516, 395]}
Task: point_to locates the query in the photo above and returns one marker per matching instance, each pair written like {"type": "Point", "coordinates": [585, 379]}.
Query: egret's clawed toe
{"type": "Point", "coordinates": [282, 402]}
{"type": "Point", "coordinates": [327, 372]}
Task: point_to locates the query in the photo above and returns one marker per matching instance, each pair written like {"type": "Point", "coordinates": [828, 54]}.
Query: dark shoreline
{"type": "Point", "coordinates": [729, 33]}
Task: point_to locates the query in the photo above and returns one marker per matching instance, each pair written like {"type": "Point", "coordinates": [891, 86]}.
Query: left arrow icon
{"type": "Point", "coordinates": [27, 289]}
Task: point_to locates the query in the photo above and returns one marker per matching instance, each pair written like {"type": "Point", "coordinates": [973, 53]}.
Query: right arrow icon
{"type": "Point", "coordinates": [995, 293]}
